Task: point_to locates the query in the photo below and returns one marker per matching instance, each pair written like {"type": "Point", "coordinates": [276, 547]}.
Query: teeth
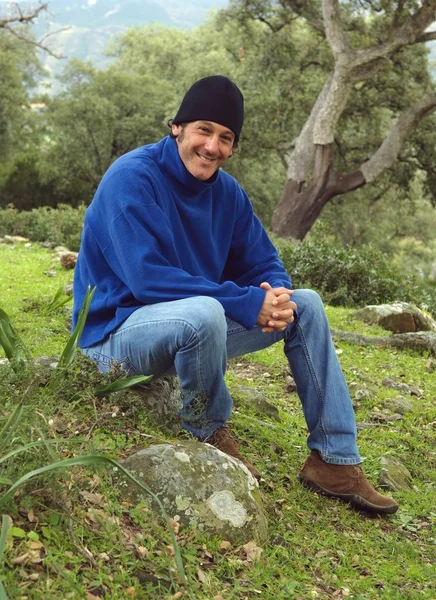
{"type": "Point", "coordinates": [205, 158]}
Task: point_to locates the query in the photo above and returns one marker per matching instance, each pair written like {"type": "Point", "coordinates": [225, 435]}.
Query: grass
{"type": "Point", "coordinates": [73, 535]}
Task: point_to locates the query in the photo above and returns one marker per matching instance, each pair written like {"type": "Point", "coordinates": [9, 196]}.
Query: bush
{"type": "Point", "coordinates": [347, 276]}
{"type": "Point", "coordinates": [61, 225]}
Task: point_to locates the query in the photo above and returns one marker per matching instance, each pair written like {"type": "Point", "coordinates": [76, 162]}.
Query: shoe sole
{"type": "Point", "coordinates": [352, 499]}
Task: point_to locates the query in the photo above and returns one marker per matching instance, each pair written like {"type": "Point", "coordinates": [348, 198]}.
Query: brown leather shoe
{"type": "Point", "coordinates": [346, 482]}
{"type": "Point", "coordinates": [222, 439]}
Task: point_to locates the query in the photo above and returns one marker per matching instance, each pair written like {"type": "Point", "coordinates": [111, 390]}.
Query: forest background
{"type": "Point", "coordinates": [56, 146]}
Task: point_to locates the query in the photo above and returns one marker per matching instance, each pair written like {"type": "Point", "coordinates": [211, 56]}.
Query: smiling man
{"type": "Point", "coordinates": [186, 278]}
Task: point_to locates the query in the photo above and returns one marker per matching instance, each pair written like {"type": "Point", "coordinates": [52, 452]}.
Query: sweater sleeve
{"type": "Point", "coordinates": [139, 249]}
{"type": "Point", "coordinates": [253, 258]}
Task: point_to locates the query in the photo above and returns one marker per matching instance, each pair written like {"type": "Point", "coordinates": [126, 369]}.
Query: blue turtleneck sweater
{"type": "Point", "coordinates": [154, 233]}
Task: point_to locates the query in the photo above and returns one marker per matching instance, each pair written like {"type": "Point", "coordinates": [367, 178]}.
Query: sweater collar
{"type": "Point", "coordinates": [170, 160]}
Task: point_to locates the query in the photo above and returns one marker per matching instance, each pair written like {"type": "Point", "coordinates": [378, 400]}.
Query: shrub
{"type": "Point", "coordinates": [346, 276]}
{"type": "Point", "coordinates": [61, 225]}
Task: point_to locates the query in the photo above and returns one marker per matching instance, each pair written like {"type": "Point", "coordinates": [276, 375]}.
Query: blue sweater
{"type": "Point", "coordinates": [154, 233]}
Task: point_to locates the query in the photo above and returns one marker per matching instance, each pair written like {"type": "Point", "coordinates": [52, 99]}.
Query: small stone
{"type": "Point", "coordinates": [394, 475]}
{"type": "Point", "coordinates": [15, 239]}
{"type": "Point", "coordinates": [399, 405]}
{"type": "Point", "coordinates": [68, 260]}
{"type": "Point", "coordinates": [430, 365]}
{"type": "Point", "coordinates": [362, 394]}
{"type": "Point", "coordinates": [291, 386]}
{"type": "Point", "coordinates": [251, 398]}
{"type": "Point", "coordinates": [68, 290]}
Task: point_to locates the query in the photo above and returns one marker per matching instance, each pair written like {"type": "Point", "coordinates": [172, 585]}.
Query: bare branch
{"type": "Point", "coordinates": [26, 18]}
{"type": "Point", "coordinates": [39, 44]}
{"type": "Point", "coordinates": [387, 153]}
{"type": "Point", "coordinates": [21, 17]}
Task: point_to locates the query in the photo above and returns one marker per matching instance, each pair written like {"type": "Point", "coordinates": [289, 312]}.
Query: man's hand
{"type": "Point", "coordinates": [277, 310]}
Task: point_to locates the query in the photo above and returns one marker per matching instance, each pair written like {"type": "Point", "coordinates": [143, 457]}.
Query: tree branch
{"type": "Point", "coordinates": [307, 11]}
{"type": "Point", "coordinates": [387, 153]}
{"type": "Point", "coordinates": [22, 17]}
{"type": "Point", "coordinates": [426, 37]}
{"type": "Point", "coordinates": [334, 30]}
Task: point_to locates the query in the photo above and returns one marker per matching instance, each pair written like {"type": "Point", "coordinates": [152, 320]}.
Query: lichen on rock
{"type": "Point", "coordinates": [201, 486]}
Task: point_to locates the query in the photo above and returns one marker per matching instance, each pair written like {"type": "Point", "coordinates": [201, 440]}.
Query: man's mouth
{"type": "Point", "coordinates": [206, 159]}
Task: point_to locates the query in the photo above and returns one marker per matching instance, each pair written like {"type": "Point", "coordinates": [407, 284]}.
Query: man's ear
{"type": "Point", "coordinates": [176, 129]}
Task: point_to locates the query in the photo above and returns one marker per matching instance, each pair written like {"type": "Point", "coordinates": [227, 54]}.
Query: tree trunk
{"type": "Point", "coordinates": [299, 208]}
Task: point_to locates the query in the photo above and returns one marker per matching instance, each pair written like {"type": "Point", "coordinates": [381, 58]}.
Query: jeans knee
{"type": "Point", "coordinates": [208, 317]}
{"type": "Point", "coordinates": [308, 301]}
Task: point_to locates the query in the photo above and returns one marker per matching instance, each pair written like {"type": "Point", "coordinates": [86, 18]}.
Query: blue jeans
{"type": "Point", "coordinates": [194, 339]}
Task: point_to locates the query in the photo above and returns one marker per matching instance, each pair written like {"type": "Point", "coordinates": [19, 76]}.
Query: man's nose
{"type": "Point", "coordinates": [212, 145]}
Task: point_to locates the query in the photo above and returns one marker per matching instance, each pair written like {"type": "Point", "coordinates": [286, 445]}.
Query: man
{"type": "Point", "coordinates": [187, 277]}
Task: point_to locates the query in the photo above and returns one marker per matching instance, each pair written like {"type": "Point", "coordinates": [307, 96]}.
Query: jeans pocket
{"type": "Point", "coordinates": [125, 364]}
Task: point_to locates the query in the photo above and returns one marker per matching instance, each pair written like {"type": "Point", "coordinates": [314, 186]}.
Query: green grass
{"type": "Point", "coordinates": [73, 536]}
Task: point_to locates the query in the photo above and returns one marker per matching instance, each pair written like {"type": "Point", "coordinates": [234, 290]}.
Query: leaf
{"type": "Point", "coordinates": [13, 346]}
{"type": "Point", "coordinates": [6, 525]}
{"type": "Point", "coordinates": [69, 351]}
{"type": "Point", "coordinates": [59, 300]}
{"type": "Point", "coordinates": [252, 551]}
{"type": "Point", "coordinates": [92, 498]}
{"type": "Point", "coordinates": [10, 426]}
{"type": "Point", "coordinates": [201, 575]}
{"type": "Point", "coordinates": [17, 532]}
{"type": "Point", "coordinates": [122, 384]}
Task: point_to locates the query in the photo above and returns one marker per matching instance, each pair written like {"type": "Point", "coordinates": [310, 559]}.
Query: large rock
{"type": "Point", "coordinates": [399, 317]}
{"type": "Point", "coordinates": [201, 487]}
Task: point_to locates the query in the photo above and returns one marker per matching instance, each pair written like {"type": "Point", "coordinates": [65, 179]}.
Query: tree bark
{"type": "Point", "coordinates": [299, 208]}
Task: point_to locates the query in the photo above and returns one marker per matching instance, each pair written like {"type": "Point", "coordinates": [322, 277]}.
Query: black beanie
{"type": "Point", "coordinates": [215, 99]}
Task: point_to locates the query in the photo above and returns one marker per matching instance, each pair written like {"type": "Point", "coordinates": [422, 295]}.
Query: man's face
{"type": "Point", "coordinates": [204, 147]}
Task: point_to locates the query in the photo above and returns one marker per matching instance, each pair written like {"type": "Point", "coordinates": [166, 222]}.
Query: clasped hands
{"type": "Point", "coordinates": [277, 310]}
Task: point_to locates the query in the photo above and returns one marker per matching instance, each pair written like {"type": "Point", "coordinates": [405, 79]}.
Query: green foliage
{"type": "Point", "coordinates": [345, 276]}
{"type": "Point", "coordinates": [22, 186]}
{"type": "Point", "coordinates": [18, 67]}
{"type": "Point", "coordinates": [11, 342]}
{"type": "Point", "coordinates": [58, 300]}
{"type": "Point", "coordinates": [60, 226]}
{"type": "Point", "coordinates": [100, 116]}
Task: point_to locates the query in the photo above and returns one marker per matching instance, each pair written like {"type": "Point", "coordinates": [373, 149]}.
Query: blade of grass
{"type": "Point", "coordinates": [39, 443]}
{"type": "Point", "coordinates": [122, 384]}
{"type": "Point", "coordinates": [2, 592]}
{"type": "Point", "coordinates": [12, 345]}
{"type": "Point", "coordinates": [59, 300]}
{"type": "Point", "coordinates": [94, 460]}
{"type": "Point", "coordinates": [10, 426]}
{"type": "Point", "coordinates": [6, 525]}
{"type": "Point", "coordinates": [69, 351]}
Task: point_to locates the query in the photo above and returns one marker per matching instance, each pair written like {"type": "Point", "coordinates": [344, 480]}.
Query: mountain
{"type": "Point", "coordinates": [85, 27]}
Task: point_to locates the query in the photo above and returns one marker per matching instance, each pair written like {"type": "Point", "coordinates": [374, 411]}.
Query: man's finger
{"type": "Point", "coordinates": [281, 299]}
{"type": "Point", "coordinates": [284, 315]}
